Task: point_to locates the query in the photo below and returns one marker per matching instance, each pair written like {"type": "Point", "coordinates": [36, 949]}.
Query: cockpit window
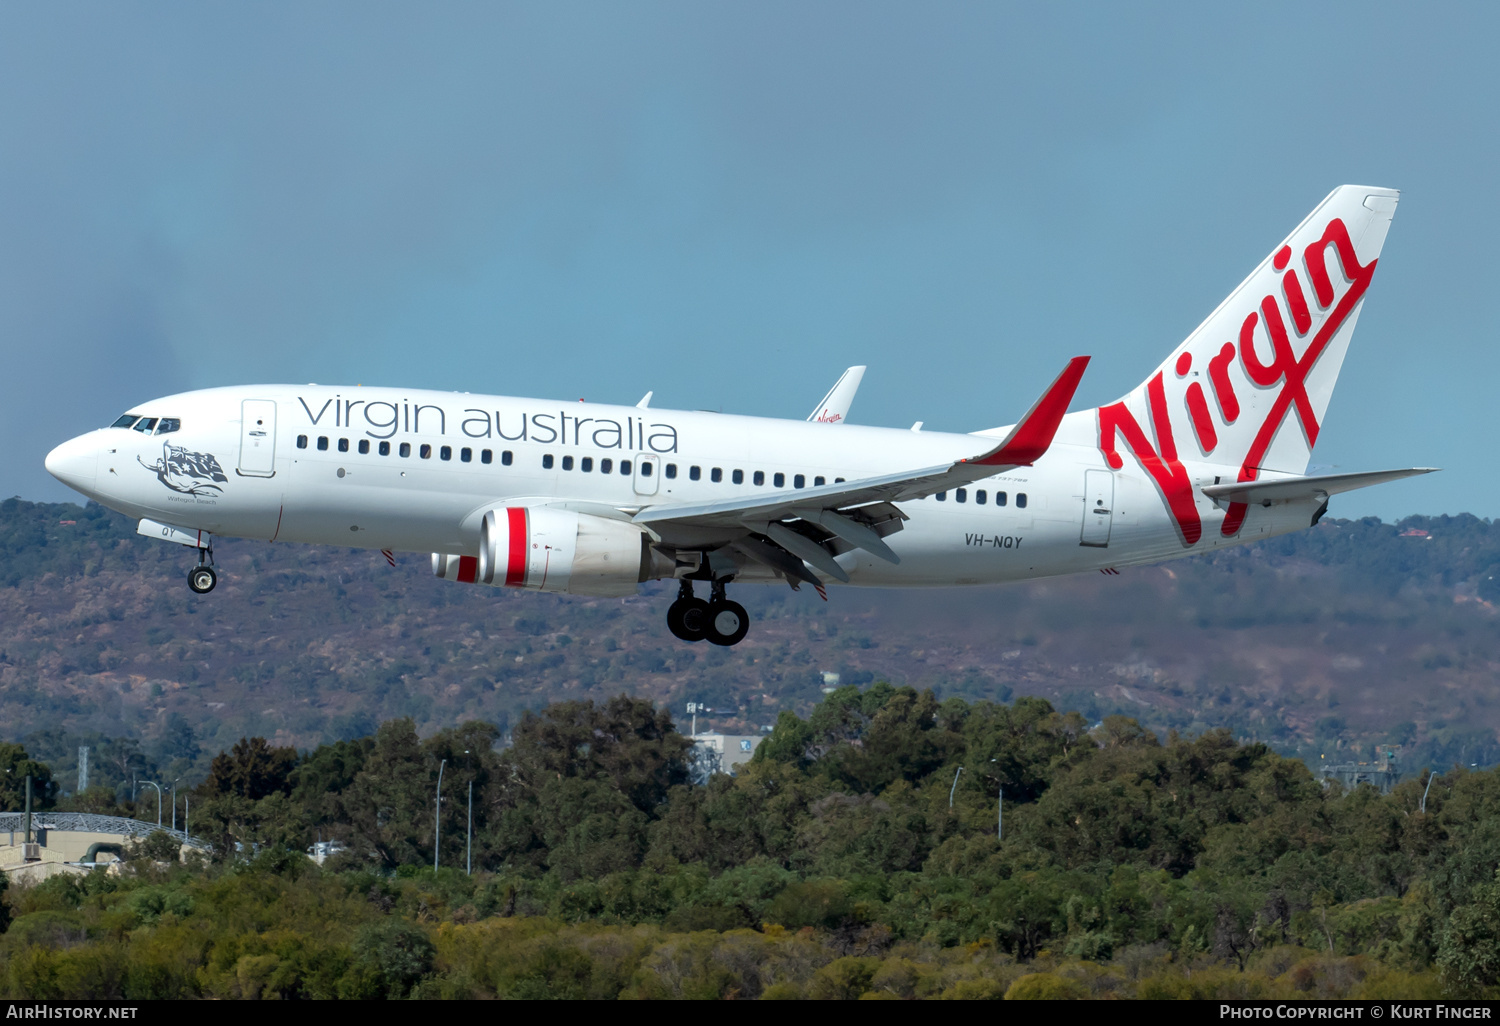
{"type": "Point", "coordinates": [125, 421]}
{"type": "Point", "coordinates": [145, 424]}
{"type": "Point", "coordinates": [168, 425]}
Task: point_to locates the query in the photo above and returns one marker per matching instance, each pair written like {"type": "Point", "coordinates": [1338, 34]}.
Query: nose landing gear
{"type": "Point", "coordinates": [202, 578]}
{"type": "Point", "coordinates": [717, 621]}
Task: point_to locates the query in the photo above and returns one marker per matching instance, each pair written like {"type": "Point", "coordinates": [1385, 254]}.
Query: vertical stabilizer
{"type": "Point", "coordinates": [1249, 388]}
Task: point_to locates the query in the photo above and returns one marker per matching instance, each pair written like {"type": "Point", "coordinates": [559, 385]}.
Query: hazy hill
{"type": "Point", "coordinates": [1353, 633]}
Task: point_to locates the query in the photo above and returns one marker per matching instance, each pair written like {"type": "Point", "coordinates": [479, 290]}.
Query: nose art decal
{"type": "Point", "coordinates": [191, 473]}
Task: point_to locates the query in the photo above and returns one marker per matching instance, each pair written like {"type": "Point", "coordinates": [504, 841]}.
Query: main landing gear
{"type": "Point", "coordinates": [203, 577]}
{"type": "Point", "coordinates": [718, 621]}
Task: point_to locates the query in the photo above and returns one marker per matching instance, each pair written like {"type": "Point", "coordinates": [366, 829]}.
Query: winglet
{"type": "Point", "coordinates": [834, 409]}
{"type": "Point", "coordinates": [1029, 439]}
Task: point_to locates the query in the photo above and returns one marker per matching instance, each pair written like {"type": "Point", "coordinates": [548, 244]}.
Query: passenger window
{"type": "Point", "coordinates": [125, 420]}
{"type": "Point", "coordinates": [547, 461]}
{"type": "Point", "coordinates": [779, 480]}
{"type": "Point", "coordinates": [838, 480]}
{"type": "Point", "coordinates": [671, 470]}
{"type": "Point", "coordinates": [800, 481]}
{"type": "Point", "coordinates": [999, 498]}
{"type": "Point", "coordinates": [716, 475]}
{"type": "Point", "coordinates": [980, 495]}
{"type": "Point", "coordinates": [364, 447]}
{"type": "Point", "coordinates": [567, 463]}
{"type": "Point", "coordinates": [466, 455]}
{"type": "Point", "coordinates": [405, 450]}
{"type": "Point", "coordinates": [645, 469]}
{"type": "Point", "coordinates": [146, 424]}
{"type": "Point", "coordinates": [322, 443]}
{"type": "Point", "coordinates": [941, 496]}
{"type": "Point", "coordinates": [738, 477]}
{"type": "Point", "coordinates": [760, 477]}
{"type": "Point", "coordinates": [385, 448]}
{"type": "Point", "coordinates": [625, 467]}
{"type": "Point", "coordinates": [1020, 500]}
{"type": "Point", "coordinates": [302, 441]}
{"type": "Point", "coordinates": [607, 466]}
{"type": "Point", "coordinates": [818, 482]}
{"type": "Point", "coordinates": [586, 464]}
{"type": "Point", "coordinates": [694, 473]}
{"type": "Point", "coordinates": [343, 445]}
{"type": "Point", "coordinates": [168, 425]}
{"type": "Point", "coordinates": [961, 495]}
{"type": "Point", "coordinates": [425, 452]}
{"type": "Point", "coordinates": [445, 453]}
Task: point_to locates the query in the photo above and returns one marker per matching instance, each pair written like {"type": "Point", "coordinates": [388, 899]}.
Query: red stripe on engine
{"type": "Point", "coordinates": [515, 567]}
{"type": "Point", "coordinates": [468, 569]}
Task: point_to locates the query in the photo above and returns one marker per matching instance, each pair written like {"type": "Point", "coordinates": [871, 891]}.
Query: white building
{"type": "Point", "coordinates": [720, 753]}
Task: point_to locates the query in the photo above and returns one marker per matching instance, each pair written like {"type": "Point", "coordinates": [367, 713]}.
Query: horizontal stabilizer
{"type": "Point", "coordinates": [1294, 488]}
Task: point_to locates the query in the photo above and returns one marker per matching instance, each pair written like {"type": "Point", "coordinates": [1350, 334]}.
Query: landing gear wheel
{"type": "Point", "coordinates": [202, 579]}
{"type": "Point", "coordinates": [727, 623]}
{"type": "Point", "coordinates": [687, 618]}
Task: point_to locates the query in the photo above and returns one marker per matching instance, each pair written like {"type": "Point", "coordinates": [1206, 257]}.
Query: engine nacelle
{"type": "Point", "coordinates": [553, 550]}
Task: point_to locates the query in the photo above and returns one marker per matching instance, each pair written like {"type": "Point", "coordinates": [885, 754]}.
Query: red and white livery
{"type": "Point", "coordinates": [1210, 450]}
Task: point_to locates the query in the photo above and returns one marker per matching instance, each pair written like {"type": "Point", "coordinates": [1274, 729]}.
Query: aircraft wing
{"type": "Point", "coordinates": [1319, 488]}
{"type": "Point", "coordinates": [761, 514]}
{"type": "Point", "coordinates": [834, 409]}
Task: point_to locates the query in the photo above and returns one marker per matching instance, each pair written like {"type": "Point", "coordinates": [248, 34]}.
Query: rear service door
{"type": "Point", "coordinates": [257, 438]}
{"type": "Point", "coordinates": [1098, 507]}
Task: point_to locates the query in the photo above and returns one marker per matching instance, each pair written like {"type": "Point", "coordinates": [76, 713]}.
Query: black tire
{"type": "Point", "coordinates": [202, 579]}
{"type": "Point", "coordinates": [727, 623]}
{"type": "Point", "coordinates": [687, 618]}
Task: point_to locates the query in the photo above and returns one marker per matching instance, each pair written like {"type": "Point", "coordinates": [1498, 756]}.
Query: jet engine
{"type": "Point", "coordinates": [555, 550]}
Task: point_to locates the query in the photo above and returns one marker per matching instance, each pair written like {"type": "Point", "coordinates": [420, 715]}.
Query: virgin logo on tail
{"type": "Point", "coordinates": [1285, 372]}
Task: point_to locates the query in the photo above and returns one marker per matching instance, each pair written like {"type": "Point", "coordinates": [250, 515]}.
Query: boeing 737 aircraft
{"type": "Point", "coordinates": [1210, 450]}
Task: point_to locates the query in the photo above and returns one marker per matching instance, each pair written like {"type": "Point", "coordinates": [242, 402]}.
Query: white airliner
{"type": "Point", "coordinates": [590, 499]}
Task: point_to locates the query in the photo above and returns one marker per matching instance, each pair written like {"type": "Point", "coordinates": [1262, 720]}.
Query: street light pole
{"type": "Point", "coordinates": [469, 829]}
{"type": "Point", "coordinates": [158, 799]}
{"type": "Point", "coordinates": [999, 805]}
{"type": "Point", "coordinates": [437, 816]}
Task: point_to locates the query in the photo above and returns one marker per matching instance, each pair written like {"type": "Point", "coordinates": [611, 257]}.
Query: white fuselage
{"type": "Point", "coordinates": [300, 475]}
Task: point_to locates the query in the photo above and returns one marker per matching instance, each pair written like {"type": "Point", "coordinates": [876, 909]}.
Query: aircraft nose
{"type": "Point", "coordinates": [75, 463]}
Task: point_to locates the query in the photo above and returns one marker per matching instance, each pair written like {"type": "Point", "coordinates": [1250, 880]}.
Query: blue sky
{"type": "Point", "coordinates": [730, 203]}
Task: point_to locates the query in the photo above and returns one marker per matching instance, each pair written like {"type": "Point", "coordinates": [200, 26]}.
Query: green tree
{"type": "Point", "coordinates": [15, 764]}
{"type": "Point", "coordinates": [397, 953]}
{"type": "Point", "coordinates": [1470, 950]}
{"type": "Point", "coordinates": [252, 769]}
{"type": "Point", "coordinates": [580, 785]}
{"type": "Point", "coordinates": [624, 742]}
{"type": "Point", "coordinates": [388, 807]}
